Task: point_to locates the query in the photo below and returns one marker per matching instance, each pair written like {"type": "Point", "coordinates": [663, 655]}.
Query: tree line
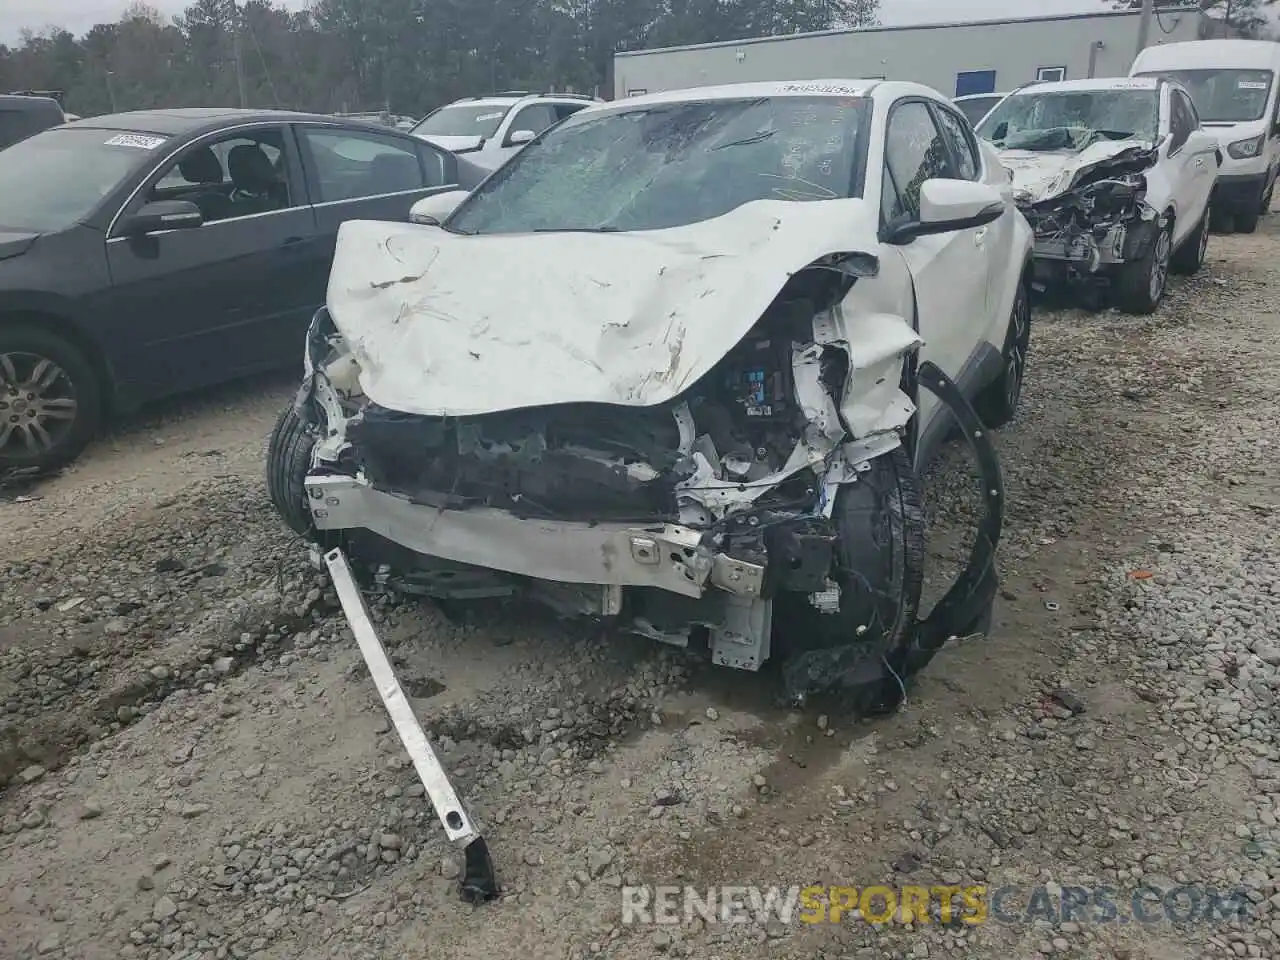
{"type": "Point", "coordinates": [406, 56]}
{"type": "Point", "coordinates": [1246, 18]}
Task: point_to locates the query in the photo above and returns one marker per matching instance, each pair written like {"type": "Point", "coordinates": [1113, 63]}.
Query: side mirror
{"type": "Point", "coordinates": [520, 137]}
{"type": "Point", "coordinates": [162, 215]}
{"type": "Point", "coordinates": [435, 209]}
{"type": "Point", "coordinates": [948, 205]}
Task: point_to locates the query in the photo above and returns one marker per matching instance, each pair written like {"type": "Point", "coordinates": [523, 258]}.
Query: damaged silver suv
{"type": "Point", "coordinates": [679, 364]}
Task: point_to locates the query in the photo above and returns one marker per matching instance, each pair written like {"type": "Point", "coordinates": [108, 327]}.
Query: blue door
{"type": "Point", "coordinates": [975, 81]}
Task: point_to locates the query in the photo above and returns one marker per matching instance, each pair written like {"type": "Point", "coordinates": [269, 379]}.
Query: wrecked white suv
{"type": "Point", "coordinates": [1114, 176]}
{"type": "Point", "coordinates": [679, 364]}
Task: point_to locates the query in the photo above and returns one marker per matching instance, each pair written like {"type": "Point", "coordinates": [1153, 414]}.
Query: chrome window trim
{"type": "Point", "coordinates": [381, 196]}
{"type": "Point", "coordinates": [214, 223]}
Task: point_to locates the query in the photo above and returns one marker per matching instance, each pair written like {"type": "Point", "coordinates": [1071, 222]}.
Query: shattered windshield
{"type": "Point", "coordinates": [468, 120]}
{"type": "Point", "coordinates": [1225, 96]}
{"type": "Point", "coordinates": [1072, 120]}
{"type": "Point", "coordinates": [672, 164]}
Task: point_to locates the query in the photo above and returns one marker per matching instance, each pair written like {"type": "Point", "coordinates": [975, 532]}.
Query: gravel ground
{"type": "Point", "coordinates": [194, 763]}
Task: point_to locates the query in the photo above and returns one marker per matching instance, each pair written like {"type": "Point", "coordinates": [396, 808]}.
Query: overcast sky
{"type": "Point", "coordinates": [79, 15]}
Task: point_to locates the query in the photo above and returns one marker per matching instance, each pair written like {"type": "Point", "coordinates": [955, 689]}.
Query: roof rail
{"type": "Point", "coordinates": [514, 93]}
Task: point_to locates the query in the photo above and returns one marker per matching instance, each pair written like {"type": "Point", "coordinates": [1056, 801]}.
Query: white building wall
{"type": "Point", "coordinates": [934, 55]}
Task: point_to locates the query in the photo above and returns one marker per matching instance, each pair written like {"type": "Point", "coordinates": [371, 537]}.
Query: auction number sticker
{"type": "Point", "coordinates": [139, 140]}
{"type": "Point", "coordinates": [1252, 85]}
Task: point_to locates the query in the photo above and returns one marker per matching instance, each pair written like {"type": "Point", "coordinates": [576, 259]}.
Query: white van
{"type": "Point", "coordinates": [1233, 85]}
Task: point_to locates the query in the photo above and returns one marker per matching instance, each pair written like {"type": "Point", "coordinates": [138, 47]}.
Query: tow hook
{"type": "Point", "coordinates": [479, 882]}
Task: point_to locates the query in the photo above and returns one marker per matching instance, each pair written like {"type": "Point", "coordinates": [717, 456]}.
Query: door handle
{"type": "Point", "coordinates": [291, 241]}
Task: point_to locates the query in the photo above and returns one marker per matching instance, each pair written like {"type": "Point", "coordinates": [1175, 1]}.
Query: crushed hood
{"type": "Point", "coordinates": [444, 324]}
{"type": "Point", "coordinates": [1044, 174]}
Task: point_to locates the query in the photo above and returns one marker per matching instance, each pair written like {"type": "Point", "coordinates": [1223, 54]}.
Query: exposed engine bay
{"type": "Point", "coordinates": [1093, 216]}
{"type": "Point", "coordinates": [588, 462]}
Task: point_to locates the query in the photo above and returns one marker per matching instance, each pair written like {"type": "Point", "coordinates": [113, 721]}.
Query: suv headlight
{"type": "Point", "coordinates": [1244, 149]}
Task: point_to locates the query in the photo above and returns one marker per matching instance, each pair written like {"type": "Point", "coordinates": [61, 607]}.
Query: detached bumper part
{"type": "Point", "coordinates": [479, 882]}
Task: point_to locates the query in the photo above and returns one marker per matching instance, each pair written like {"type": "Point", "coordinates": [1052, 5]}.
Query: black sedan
{"type": "Point", "coordinates": [145, 254]}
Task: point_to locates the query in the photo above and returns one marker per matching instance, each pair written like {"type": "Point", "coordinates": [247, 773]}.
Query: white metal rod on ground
{"type": "Point", "coordinates": [447, 806]}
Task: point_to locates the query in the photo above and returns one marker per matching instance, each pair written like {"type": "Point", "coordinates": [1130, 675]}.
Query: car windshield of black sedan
{"type": "Point", "coordinates": [52, 180]}
{"type": "Point", "coordinates": [672, 164]}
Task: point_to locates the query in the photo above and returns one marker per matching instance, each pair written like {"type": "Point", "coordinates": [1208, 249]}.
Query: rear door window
{"type": "Point", "coordinates": [351, 165]}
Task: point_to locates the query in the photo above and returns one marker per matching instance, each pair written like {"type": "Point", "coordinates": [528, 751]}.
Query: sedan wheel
{"type": "Point", "coordinates": [49, 405]}
{"type": "Point", "coordinates": [37, 402]}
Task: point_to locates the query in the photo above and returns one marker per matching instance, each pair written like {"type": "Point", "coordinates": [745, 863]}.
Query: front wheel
{"type": "Point", "coordinates": [879, 568]}
{"type": "Point", "coordinates": [288, 460]}
{"type": "Point", "coordinates": [998, 403]}
{"type": "Point", "coordinates": [1141, 283]}
{"type": "Point", "coordinates": [50, 400]}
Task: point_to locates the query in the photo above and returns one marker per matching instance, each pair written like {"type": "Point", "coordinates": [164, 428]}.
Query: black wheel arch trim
{"type": "Point", "coordinates": [968, 601]}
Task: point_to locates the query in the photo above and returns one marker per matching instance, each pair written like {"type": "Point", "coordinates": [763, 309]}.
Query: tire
{"type": "Point", "coordinates": [879, 567]}
{"type": "Point", "coordinates": [1189, 258]}
{"type": "Point", "coordinates": [1141, 283]}
{"type": "Point", "coordinates": [288, 460]}
{"type": "Point", "coordinates": [50, 400]}
{"type": "Point", "coordinates": [998, 403]}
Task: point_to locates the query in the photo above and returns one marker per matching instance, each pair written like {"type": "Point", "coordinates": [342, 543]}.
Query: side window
{"type": "Point", "coordinates": [234, 176]}
{"type": "Point", "coordinates": [566, 110]}
{"type": "Point", "coordinates": [536, 117]}
{"type": "Point", "coordinates": [350, 165]}
{"type": "Point", "coordinates": [962, 145]}
{"type": "Point", "coordinates": [891, 206]}
{"type": "Point", "coordinates": [914, 152]}
{"type": "Point", "coordinates": [1191, 109]}
{"type": "Point", "coordinates": [1180, 123]}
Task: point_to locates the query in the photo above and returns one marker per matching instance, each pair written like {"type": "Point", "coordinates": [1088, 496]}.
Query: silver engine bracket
{"type": "Point", "coordinates": [479, 882]}
{"type": "Point", "coordinates": [742, 642]}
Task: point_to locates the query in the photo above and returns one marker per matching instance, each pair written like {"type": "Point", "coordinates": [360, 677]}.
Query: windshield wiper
{"type": "Point", "coordinates": [755, 138]}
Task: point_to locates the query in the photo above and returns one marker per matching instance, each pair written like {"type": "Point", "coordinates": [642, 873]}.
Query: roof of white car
{"type": "Point", "coordinates": [1201, 54]}
{"type": "Point", "coordinates": [789, 88]}
{"type": "Point", "coordinates": [1086, 86]}
{"type": "Point", "coordinates": [512, 100]}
